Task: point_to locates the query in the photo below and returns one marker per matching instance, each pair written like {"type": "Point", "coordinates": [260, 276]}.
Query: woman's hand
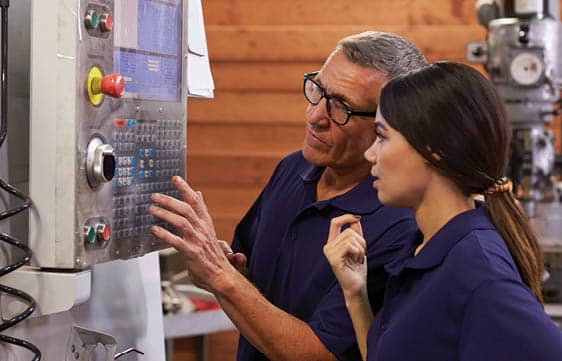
{"type": "Point", "coordinates": [346, 253]}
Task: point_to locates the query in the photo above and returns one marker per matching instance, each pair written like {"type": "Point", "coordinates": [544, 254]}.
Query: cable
{"type": "Point", "coordinates": [4, 71]}
{"type": "Point", "coordinates": [27, 203]}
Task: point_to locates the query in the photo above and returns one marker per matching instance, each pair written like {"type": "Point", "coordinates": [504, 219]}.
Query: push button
{"type": "Point", "coordinates": [103, 232]}
{"type": "Point", "coordinates": [106, 22]}
{"type": "Point", "coordinates": [91, 19]}
{"type": "Point", "coordinates": [89, 234]}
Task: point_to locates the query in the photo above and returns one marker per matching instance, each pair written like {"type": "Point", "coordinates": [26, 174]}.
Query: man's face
{"type": "Point", "coordinates": [336, 146]}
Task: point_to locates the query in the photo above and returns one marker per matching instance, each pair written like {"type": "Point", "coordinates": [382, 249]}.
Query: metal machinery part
{"type": "Point", "coordinates": [97, 122]}
{"type": "Point", "coordinates": [112, 130]}
{"type": "Point", "coordinates": [523, 57]}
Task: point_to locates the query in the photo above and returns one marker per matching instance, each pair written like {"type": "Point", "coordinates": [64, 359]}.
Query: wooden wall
{"type": "Point", "coordinates": [259, 50]}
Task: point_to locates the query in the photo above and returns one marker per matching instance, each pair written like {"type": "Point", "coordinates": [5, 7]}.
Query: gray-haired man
{"type": "Point", "coordinates": [290, 307]}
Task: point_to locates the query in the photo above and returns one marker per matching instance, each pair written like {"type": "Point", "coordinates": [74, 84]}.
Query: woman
{"type": "Point", "coordinates": [470, 289]}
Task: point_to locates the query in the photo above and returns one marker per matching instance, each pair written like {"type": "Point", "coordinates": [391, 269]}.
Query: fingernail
{"type": "Point", "coordinates": [156, 196]}
{"type": "Point", "coordinates": [358, 217]}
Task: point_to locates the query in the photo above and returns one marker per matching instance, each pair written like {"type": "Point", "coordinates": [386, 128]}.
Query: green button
{"type": "Point", "coordinates": [92, 19]}
{"type": "Point", "coordinates": [91, 235]}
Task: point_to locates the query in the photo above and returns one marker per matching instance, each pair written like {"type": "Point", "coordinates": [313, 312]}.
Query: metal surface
{"type": "Point", "coordinates": [147, 135]}
{"type": "Point", "coordinates": [127, 307]}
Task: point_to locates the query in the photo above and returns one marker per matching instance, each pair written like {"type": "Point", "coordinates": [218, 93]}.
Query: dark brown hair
{"type": "Point", "coordinates": [451, 110]}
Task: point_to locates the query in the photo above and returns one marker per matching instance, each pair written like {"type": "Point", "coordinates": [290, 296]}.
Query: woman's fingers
{"type": "Point", "coordinates": [337, 223]}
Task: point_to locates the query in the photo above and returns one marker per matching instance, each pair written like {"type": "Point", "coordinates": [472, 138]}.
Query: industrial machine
{"type": "Point", "coordinates": [113, 132]}
{"type": "Point", "coordinates": [96, 123]}
{"type": "Point", "coordinates": [523, 57]}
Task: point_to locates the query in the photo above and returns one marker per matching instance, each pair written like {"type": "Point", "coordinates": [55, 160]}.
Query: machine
{"type": "Point", "coordinates": [523, 57]}
{"type": "Point", "coordinates": [96, 123]}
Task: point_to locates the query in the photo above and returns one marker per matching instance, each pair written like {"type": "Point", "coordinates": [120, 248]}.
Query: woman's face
{"type": "Point", "coordinates": [402, 174]}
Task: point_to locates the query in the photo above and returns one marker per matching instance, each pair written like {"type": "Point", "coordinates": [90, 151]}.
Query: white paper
{"type": "Point", "coordinates": [199, 78]}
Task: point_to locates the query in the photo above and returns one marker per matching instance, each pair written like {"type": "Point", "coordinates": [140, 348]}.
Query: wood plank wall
{"type": "Point", "coordinates": [259, 50]}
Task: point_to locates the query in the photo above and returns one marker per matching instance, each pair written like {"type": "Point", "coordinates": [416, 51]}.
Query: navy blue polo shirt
{"type": "Point", "coordinates": [461, 298]}
{"type": "Point", "coordinates": [283, 235]}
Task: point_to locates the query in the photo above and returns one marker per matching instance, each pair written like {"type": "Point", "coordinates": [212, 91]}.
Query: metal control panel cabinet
{"type": "Point", "coordinates": [107, 125]}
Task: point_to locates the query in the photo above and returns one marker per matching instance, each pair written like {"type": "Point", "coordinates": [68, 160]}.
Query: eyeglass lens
{"type": "Point", "coordinates": [337, 110]}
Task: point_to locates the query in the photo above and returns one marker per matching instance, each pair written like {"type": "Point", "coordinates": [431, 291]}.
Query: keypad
{"type": "Point", "coordinates": [148, 154]}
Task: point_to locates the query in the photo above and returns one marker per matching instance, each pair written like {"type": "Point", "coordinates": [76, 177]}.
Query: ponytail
{"type": "Point", "coordinates": [514, 227]}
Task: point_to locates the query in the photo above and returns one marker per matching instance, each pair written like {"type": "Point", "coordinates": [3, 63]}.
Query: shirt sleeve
{"type": "Point", "coordinates": [331, 321]}
{"type": "Point", "coordinates": [504, 321]}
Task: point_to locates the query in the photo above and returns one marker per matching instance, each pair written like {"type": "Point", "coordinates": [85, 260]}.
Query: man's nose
{"type": "Point", "coordinates": [371, 154]}
{"type": "Point", "coordinates": [318, 114]}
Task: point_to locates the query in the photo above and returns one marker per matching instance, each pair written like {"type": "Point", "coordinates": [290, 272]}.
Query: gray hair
{"type": "Point", "coordinates": [387, 53]}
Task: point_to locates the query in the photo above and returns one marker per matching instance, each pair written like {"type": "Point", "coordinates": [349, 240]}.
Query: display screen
{"type": "Point", "coordinates": [148, 48]}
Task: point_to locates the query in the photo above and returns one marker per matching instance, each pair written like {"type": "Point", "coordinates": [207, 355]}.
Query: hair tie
{"type": "Point", "coordinates": [501, 185]}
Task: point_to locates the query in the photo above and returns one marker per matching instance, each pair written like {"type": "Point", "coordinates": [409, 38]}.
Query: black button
{"type": "Point", "coordinates": [384, 326]}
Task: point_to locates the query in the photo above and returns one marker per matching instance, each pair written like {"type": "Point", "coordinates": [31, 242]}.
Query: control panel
{"type": "Point", "coordinates": [119, 131]}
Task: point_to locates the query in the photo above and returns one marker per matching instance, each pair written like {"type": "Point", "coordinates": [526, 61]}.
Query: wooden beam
{"type": "Point", "coordinates": [269, 76]}
{"type": "Point", "coordinates": [244, 139]}
{"type": "Point", "coordinates": [315, 43]}
{"type": "Point", "coordinates": [217, 170]}
{"type": "Point", "coordinates": [250, 107]}
{"type": "Point", "coordinates": [330, 12]}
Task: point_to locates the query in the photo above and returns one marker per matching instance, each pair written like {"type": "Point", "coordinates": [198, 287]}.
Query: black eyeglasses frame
{"type": "Point", "coordinates": [350, 112]}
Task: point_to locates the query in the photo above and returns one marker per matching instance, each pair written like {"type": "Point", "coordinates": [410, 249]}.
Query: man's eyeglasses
{"type": "Point", "coordinates": [337, 110]}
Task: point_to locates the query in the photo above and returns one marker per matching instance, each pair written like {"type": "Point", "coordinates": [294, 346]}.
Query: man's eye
{"type": "Point", "coordinates": [339, 105]}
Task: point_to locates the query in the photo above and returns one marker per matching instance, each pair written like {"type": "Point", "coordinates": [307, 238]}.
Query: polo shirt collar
{"type": "Point", "coordinates": [361, 199]}
{"type": "Point", "coordinates": [435, 251]}
{"type": "Point", "coordinates": [310, 173]}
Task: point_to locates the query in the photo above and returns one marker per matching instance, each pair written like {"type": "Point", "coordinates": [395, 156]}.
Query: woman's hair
{"type": "Point", "coordinates": [453, 117]}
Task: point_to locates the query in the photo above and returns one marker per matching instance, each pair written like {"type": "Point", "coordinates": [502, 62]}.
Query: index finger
{"type": "Point", "coordinates": [356, 226]}
{"type": "Point", "coordinates": [192, 197]}
{"type": "Point", "coordinates": [338, 222]}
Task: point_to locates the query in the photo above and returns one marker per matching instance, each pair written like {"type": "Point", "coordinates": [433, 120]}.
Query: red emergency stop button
{"type": "Point", "coordinates": [106, 22]}
{"type": "Point", "coordinates": [103, 232]}
{"type": "Point", "coordinates": [112, 85]}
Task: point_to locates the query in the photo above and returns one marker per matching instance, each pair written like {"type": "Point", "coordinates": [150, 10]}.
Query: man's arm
{"type": "Point", "coordinates": [274, 332]}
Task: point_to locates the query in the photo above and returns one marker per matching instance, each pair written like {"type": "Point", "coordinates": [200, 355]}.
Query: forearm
{"type": "Point", "coordinates": [362, 316]}
{"type": "Point", "coordinates": [274, 332]}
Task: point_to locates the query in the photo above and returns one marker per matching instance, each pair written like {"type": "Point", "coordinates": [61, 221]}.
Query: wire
{"type": "Point", "coordinates": [4, 72]}
{"type": "Point", "coordinates": [27, 254]}
{"type": "Point", "coordinates": [27, 203]}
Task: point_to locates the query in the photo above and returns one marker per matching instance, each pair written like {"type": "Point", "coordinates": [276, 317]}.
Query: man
{"type": "Point", "coordinates": [290, 307]}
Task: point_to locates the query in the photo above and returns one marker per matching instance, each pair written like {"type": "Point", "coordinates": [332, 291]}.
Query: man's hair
{"type": "Point", "coordinates": [390, 54]}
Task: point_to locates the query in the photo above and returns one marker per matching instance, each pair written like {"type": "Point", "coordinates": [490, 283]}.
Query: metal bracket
{"type": "Point", "coordinates": [83, 343]}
